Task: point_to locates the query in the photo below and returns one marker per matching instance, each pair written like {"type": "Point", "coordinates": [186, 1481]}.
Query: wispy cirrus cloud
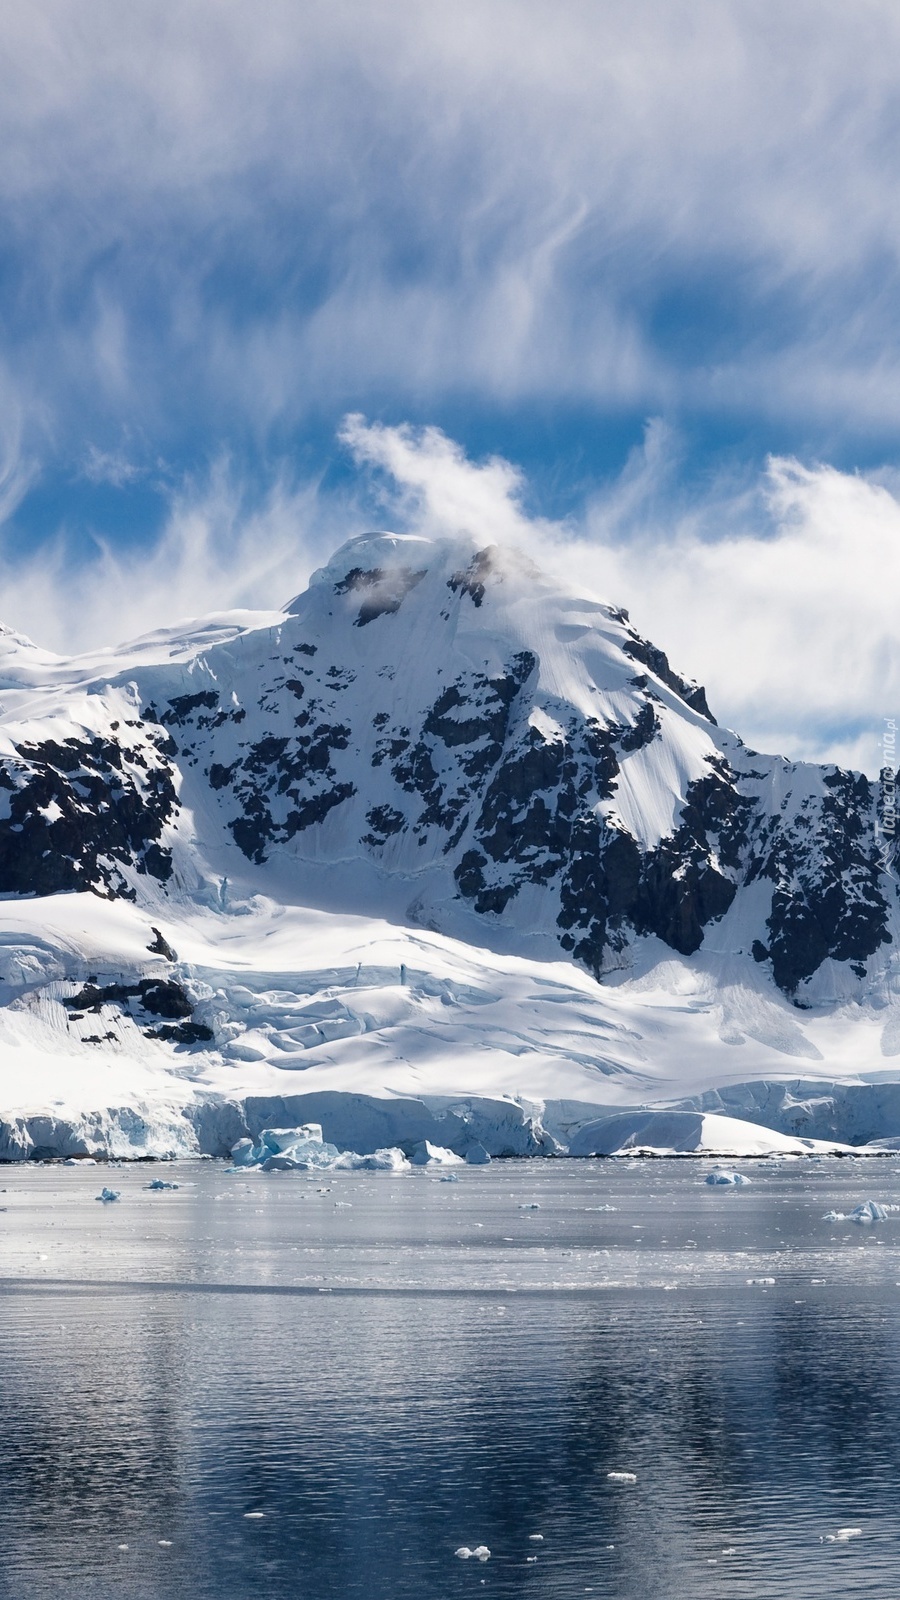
{"type": "Point", "coordinates": [220, 222]}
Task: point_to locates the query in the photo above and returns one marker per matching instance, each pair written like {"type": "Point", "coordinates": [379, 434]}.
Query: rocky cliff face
{"type": "Point", "coordinates": [444, 722]}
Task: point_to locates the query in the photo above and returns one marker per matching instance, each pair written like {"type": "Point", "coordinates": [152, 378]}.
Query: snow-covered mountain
{"type": "Point", "coordinates": [436, 829]}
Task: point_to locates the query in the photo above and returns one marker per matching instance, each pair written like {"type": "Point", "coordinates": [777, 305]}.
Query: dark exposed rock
{"type": "Point", "coordinates": [693, 694]}
{"type": "Point", "coordinates": [383, 592]}
{"type": "Point", "coordinates": [160, 946]}
{"type": "Point", "coordinates": [162, 997]}
{"type": "Point", "coordinates": [643, 731]}
{"type": "Point", "coordinates": [472, 581]}
{"type": "Point", "coordinates": [81, 811]}
{"type": "Point", "coordinates": [182, 1033]}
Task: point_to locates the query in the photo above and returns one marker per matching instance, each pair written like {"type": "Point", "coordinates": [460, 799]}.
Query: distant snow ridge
{"type": "Point", "coordinates": [437, 834]}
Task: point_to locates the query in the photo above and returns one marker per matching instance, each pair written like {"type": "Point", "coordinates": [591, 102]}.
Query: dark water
{"type": "Point", "coordinates": [389, 1368]}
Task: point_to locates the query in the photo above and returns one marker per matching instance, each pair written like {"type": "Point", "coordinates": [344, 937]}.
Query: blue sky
{"type": "Point", "coordinates": [637, 248]}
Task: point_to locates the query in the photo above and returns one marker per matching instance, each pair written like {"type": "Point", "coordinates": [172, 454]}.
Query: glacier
{"type": "Point", "coordinates": [438, 858]}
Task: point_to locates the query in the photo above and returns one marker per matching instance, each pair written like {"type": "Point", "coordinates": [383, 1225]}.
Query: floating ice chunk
{"type": "Point", "coordinates": [392, 1160]}
{"type": "Point", "coordinates": [477, 1156]}
{"type": "Point", "coordinates": [304, 1150]}
{"type": "Point", "coordinates": [481, 1553]}
{"type": "Point", "coordinates": [601, 1208]}
{"type": "Point", "coordinates": [464, 1553]}
{"type": "Point", "coordinates": [160, 1183]}
{"type": "Point", "coordinates": [530, 1205]}
{"type": "Point", "coordinates": [622, 1477]}
{"type": "Point", "coordinates": [106, 1195]}
{"type": "Point", "coordinates": [426, 1154]}
{"type": "Point", "coordinates": [760, 1282]}
{"type": "Point", "coordinates": [869, 1211]}
{"type": "Point", "coordinates": [734, 1180]}
{"type": "Point", "coordinates": [253, 1516]}
{"type": "Point", "coordinates": [79, 1161]}
{"type": "Point", "coordinates": [449, 1177]}
{"type": "Point", "coordinates": [536, 1538]}
{"type": "Point", "coordinates": [165, 1543]}
{"type": "Point", "coordinates": [843, 1535]}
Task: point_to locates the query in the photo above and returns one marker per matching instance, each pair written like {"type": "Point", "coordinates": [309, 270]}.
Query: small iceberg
{"type": "Point", "coordinates": [870, 1211]}
{"type": "Point", "coordinates": [843, 1535]}
{"type": "Point", "coordinates": [731, 1180]}
{"type": "Point", "coordinates": [426, 1154]}
{"type": "Point", "coordinates": [303, 1149]}
{"type": "Point", "coordinates": [480, 1553]}
{"type": "Point", "coordinates": [621, 1477]}
{"type": "Point", "coordinates": [160, 1183]}
{"type": "Point", "coordinates": [107, 1195]}
{"type": "Point", "coordinates": [477, 1156]}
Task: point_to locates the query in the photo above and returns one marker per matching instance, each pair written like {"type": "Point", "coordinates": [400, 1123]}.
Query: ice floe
{"type": "Point", "coordinates": [868, 1212]}
{"type": "Point", "coordinates": [720, 1179]}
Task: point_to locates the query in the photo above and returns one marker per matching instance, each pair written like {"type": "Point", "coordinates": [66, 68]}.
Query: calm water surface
{"type": "Point", "coordinates": [388, 1368]}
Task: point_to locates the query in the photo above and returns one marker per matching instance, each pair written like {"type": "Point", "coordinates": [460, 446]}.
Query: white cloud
{"type": "Point", "coordinates": [779, 595]}
{"type": "Point", "coordinates": [110, 466]}
{"type": "Point", "coordinates": [221, 547]}
{"type": "Point", "coordinates": [511, 200]}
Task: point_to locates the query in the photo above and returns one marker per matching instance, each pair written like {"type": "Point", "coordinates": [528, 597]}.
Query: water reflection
{"type": "Point", "coordinates": [377, 1432]}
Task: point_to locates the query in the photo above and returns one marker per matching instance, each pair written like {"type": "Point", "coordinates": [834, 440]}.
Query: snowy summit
{"type": "Point", "coordinates": [439, 852]}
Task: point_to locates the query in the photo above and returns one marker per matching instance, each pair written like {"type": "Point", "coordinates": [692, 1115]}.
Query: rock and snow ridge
{"type": "Point", "coordinates": [438, 835]}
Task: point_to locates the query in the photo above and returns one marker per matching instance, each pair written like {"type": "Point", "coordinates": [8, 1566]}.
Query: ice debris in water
{"type": "Point", "coordinates": [426, 1154]}
{"type": "Point", "coordinates": [843, 1535]}
{"type": "Point", "coordinates": [530, 1205]}
{"type": "Point", "coordinates": [303, 1149]}
{"type": "Point", "coordinates": [481, 1553]}
{"type": "Point", "coordinates": [869, 1211]}
{"type": "Point", "coordinates": [536, 1538]}
{"type": "Point", "coordinates": [721, 1179]}
{"type": "Point", "coordinates": [79, 1161]}
{"type": "Point", "coordinates": [106, 1195]}
{"type": "Point", "coordinates": [477, 1156]}
{"type": "Point", "coordinates": [622, 1477]}
{"type": "Point", "coordinates": [160, 1183]}
{"type": "Point", "coordinates": [449, 1177]}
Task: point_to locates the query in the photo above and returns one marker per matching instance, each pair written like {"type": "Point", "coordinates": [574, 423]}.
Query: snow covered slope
{"type": "Point", "coordinates": [437, 835]}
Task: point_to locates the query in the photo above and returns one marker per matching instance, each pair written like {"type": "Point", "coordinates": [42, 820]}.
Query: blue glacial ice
{"type": "Point", "coordinates": [477, 1156]}
{"type": "Point", "coordinates": [734, 1180]}
{"type": "Point", "coordinates": [304, 1150]}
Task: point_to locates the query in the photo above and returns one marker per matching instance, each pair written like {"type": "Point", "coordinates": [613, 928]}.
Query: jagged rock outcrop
{"type": "Point", "coordinates": [443, 721]}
